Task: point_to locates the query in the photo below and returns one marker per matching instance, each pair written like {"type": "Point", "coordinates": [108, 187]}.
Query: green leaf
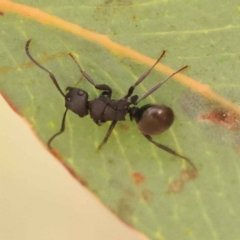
{"type": "Point", "coordinates": [149, 189]}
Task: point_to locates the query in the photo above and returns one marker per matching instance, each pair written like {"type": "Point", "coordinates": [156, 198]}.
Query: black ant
{"type": "Point", "coordinates": [151, 119]}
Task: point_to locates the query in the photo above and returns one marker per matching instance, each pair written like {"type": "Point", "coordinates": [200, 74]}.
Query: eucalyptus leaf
{"type": "Point", "coordinates": [149, 189]}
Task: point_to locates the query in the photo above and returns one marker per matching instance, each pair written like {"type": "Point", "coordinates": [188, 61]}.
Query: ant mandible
{"type": "Point", "coordinates": [151, 119]}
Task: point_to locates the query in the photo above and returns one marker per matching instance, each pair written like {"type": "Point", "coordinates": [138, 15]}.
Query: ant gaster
{"type": "Point", "coordinates": [151, 119]}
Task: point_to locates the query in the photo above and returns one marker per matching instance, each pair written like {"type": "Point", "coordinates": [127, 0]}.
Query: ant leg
{"type": "Point", "coordinates": [141, 78]}
{"type": "Point", "coordinates": [103, 87]}
{"type": "Point", "coordinates": [110, 129]}
{"type": "Point", "coordinates": [153, 89]}
{"type": "Point", "coordinates": [61, 130]}
{"type": "Point", "coordinates": [43, 68]}
{"type": "Point", "coordinates": [169, 150]}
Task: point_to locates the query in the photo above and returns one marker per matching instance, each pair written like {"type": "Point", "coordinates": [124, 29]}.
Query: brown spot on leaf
{"type": "Point", "coordinates": [177, 185]}
{"type": "Point", "coordinates": [124, 127]}
{"type": "Point", "coordinates": [138, 178]}
{"type": "Point", "coordinates": [1, 13]}
{"type": "Point", "coordinates": [147, 195]}
{"type": "Point", "coordinates": [134, 17]}
{"type": "Point", "coordinates": [227, 119]}
{"type": "Point", "coordinates": [188, 175]}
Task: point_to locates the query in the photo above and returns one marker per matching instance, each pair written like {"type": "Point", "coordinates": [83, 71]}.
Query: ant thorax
{"type": "Point", "coordinates": [104, 109]}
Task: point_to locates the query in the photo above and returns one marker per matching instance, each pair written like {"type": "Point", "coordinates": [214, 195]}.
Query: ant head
{"type": "Point", "coordinates": [153, 119]}
{"type": "Point", "coordinates": [76, 100]}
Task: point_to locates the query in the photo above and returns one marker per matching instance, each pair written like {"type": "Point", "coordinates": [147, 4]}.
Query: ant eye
{"type": "Point", "coordinates": [80, 93]}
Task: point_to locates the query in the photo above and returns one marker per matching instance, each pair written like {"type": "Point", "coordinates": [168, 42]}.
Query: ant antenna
{"type": "Point", "coordinates": [80, 69]}
{"type": "Point", "coordinates": [153, 89]}
{"type": "Point", "coordinates": [43, 68]}
{"type": "Point", "coordinates": [143, 76]}
{"type": "Point", "coordinates": [103, 87]}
